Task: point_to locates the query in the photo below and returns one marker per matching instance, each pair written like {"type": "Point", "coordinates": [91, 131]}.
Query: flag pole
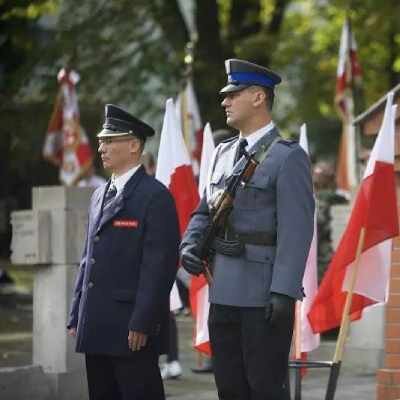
{"type": "Point", "coordinates": [297, 337]}
{"type": "Point", "coordinates": [344, 325]}
{"type": "Point", "coordinates": [297, 349]}
{"type": "Point", "coordinates": [185, 119]}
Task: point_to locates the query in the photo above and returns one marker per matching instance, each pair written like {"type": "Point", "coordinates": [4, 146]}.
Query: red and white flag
{"type": "Point", "coordinates": [375, 210]}
{"type": "Point", "coordinates": [308, 339]}
{"type": "Point", "coordinates": [174, 170]}
{"type": "Point", "coordinates": [199, 287]}
{"type": "Point", "coordinates": [348, 77]}
{"type": "Point", "coordinates": [66, 144]}
{"type": "Point", "coordinates": [189, 119]}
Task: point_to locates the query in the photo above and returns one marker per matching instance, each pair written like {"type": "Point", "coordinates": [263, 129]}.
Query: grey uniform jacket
{"type": "Point", "coordinates": [279, 200]}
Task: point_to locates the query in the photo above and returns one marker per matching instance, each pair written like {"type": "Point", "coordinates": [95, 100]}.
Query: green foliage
{"type": "Point", "coordinates": [307, 55]}
{"type": "Point", "coordinates": [28, 9]}
{"type": "Point", "coordinates": [131, 53]}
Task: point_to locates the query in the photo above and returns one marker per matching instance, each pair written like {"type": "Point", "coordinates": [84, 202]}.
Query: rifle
{"type": "Point", "coordinates": [222, 209]}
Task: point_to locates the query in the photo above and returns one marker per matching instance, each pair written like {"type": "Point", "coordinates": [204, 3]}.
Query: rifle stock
{"type": "Point", "coordinates": [221, 211]}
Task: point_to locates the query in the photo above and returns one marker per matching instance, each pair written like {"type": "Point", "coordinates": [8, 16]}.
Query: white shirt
{"type": "Point", "coordinates": [120, 181]}
{"type": "Point", "coordinates": [257, 135]}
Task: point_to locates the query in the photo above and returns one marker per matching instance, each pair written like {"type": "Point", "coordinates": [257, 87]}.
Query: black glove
{"type": "Point", "coordinates": [190, 261]}
{"type": "Point", "coordinates": [280, 308]}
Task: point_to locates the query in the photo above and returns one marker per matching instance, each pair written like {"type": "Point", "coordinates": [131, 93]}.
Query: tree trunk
{"type": "Point", "coordinates": [208, 69]}
{"type": "Point", "coordinates": [393, 50]}
{"type": "Point", "coordinates": [244, 19]}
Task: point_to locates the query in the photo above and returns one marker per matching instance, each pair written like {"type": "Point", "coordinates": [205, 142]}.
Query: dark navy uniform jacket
{"type": "Point", "coordinates": [128, 266]}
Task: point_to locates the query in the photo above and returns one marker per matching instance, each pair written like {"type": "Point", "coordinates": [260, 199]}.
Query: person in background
{"type": "Point", "coordinates": [120, 307]}
{"type": "Point", "coordinates": [91, 179]}
{"type": "Point", "coordinates": [149, 163]}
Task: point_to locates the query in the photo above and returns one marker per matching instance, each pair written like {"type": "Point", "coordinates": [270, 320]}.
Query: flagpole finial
{"type": "Point", "coordinates": [189, 58]}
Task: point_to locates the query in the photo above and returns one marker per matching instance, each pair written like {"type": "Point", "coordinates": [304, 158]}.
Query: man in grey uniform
{"type": "Point", "coordinates": [260, 257]}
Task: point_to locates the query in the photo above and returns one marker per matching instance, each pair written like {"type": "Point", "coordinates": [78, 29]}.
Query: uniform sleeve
{"type": "Point", "coordinates": [295, 224]}
{"type": "Point", "coordinates": [201, 216]}
{"type": "Point", "coordinates": [197, 224]}
{"type": "Point", "coordinates": [159, 263]}
{"type": "Point", "coordinates": [74, 310]}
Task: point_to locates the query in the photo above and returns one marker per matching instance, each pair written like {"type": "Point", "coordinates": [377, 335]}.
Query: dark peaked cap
{"type": "Point", "coordinates": [118, 123]}
{"type": "Point", "coordinates": [242, 74]}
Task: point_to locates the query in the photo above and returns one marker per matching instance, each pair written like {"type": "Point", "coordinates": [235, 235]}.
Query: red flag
{"type": "Point", "coordinates": [375, 210]}
{"type": "Point", "coordinates": [199, 287]}
{"type": "Point", "coordinates": [189, 118]}
{"type": "Point", "coordinates": [174, 170]}
{"type": "Point", "coordinates": [66, 144]}
{"type": "Point", "coordinates": [348, 76]}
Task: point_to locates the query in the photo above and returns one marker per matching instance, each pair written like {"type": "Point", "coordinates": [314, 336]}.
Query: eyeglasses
{"type": "Point", "coordinates": [109, 140]}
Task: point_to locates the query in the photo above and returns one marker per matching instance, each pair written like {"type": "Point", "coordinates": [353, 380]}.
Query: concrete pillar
{"type": "Point", "coordinates": [388, 378]}
{"type": "Point", "coordinates": [60, 215]}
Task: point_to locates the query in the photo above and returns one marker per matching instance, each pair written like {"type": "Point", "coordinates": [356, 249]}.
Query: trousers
{"type": "Point", "coordinates": [124, 378]}
{"type": "Point", "coordinates": [250, 354]}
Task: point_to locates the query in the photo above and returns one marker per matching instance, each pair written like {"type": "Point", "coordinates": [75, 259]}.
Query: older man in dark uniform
{"type": "Point", "coordinates": [120, 307]}
{"type": "Point", "coordinates": [260, 256]}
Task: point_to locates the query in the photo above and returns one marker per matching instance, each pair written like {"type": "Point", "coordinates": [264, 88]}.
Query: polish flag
{"type": "Point", "coordinates": [189, 119]}
{"type": "Point", "coordinates": [174, 170]}
{"type": "Point", "coordinates": [347, 79]}
{"type": "Point", "coordinates": [66, 144]}
{"type": "Point", "coordinates": [308, 339]}
{"type": "Point", "coordinates": [375, 210]}
{"type": "Point", "coordinates": [199, 287]}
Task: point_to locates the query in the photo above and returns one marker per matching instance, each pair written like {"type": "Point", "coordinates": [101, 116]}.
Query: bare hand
{"type": "Point", "coordinates": [136, 340]}
{"type": "Point", "coordinates": [72, 332]}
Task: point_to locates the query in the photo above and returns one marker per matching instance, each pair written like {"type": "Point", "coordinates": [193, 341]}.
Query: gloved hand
{"type": "Point", "coordinates": [190, 261]}
{"type": "Point", "coordinates": [281, 308]}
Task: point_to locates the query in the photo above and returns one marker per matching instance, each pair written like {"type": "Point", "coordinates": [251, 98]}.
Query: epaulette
{"type": "Point", "coordinates": [288, 142]}
{"type": "Point", "coordinates": [230, 139]}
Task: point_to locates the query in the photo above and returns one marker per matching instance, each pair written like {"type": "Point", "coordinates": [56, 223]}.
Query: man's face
{"type": "Point", "coordinates": [239, 106]}
{"type": "Point", "coordinates": [118, 153]}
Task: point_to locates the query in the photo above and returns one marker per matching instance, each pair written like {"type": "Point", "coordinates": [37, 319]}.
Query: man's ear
{"type": "Point", "coordinates": [135, 146]}
{"type": "Point", "coordinates": [260, 97]}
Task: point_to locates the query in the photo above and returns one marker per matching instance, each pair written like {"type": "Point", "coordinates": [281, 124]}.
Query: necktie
{"type": "Point", "coordinates": [240, 151]}
{"type": "Point", "coordinates": [110, 196]}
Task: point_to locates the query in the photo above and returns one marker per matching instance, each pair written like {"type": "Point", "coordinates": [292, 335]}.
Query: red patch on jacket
{"type": "Point", "coordinates": [126, 223]}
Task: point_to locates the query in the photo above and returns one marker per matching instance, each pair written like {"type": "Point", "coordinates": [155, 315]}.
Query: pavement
{"type": "Point", "coordinates": [192, 386]}
{"type": "Point", "coordinates": [16, 350]}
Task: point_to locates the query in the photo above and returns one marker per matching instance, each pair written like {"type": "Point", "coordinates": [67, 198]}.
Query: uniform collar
{"type": "Point", "coordinates": [120, 181]}
{"type": "Point", "coordinates": [258, 134]}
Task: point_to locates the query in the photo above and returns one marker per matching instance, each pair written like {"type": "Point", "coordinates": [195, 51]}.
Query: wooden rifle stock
{"type": "Point", "coordinates": [221, 211]}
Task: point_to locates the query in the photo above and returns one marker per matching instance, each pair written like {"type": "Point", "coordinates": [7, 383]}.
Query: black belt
{"type": "Point", "coordinates": [257, 238]}
{"type": "Point", "coordinates": [235, 246]}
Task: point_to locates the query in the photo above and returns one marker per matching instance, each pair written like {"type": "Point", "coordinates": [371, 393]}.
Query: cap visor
{"type": "Point", "coordinates": [232, 88]}
{"type": "Point", "coordinates": [109, 133]}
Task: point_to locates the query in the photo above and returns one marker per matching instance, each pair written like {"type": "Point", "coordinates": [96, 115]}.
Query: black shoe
{"type": "Point", "coordinates": [7, 285]}
{"type": "Point", "coordinates": [5, 279]}
{"type": "Point", "coordinates": [204, 369]}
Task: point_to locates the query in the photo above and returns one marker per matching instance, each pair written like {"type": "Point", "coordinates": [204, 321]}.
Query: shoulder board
{"type": "Point", "coordinates": [230, 139]}
{"type": "Point", "coordinates": [288, 142]}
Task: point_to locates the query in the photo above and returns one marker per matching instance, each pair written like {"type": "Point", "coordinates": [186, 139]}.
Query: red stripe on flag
{"type": "Point", "coordinates": [184, 191]}
{"type": "Point", "coordinates": [375, 209]}
{"type": "Point", "coordinates": [196, 284]}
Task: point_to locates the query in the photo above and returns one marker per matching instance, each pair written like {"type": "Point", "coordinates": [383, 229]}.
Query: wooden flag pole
{"type": "Point", "coordinates": [297, 328]}
{"type": "Point", "coordinates": [185, 121]}
{"type": "Point", "coordinates": [344, 325]}
{"type": "Point", "coordinates": [297, 350]}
